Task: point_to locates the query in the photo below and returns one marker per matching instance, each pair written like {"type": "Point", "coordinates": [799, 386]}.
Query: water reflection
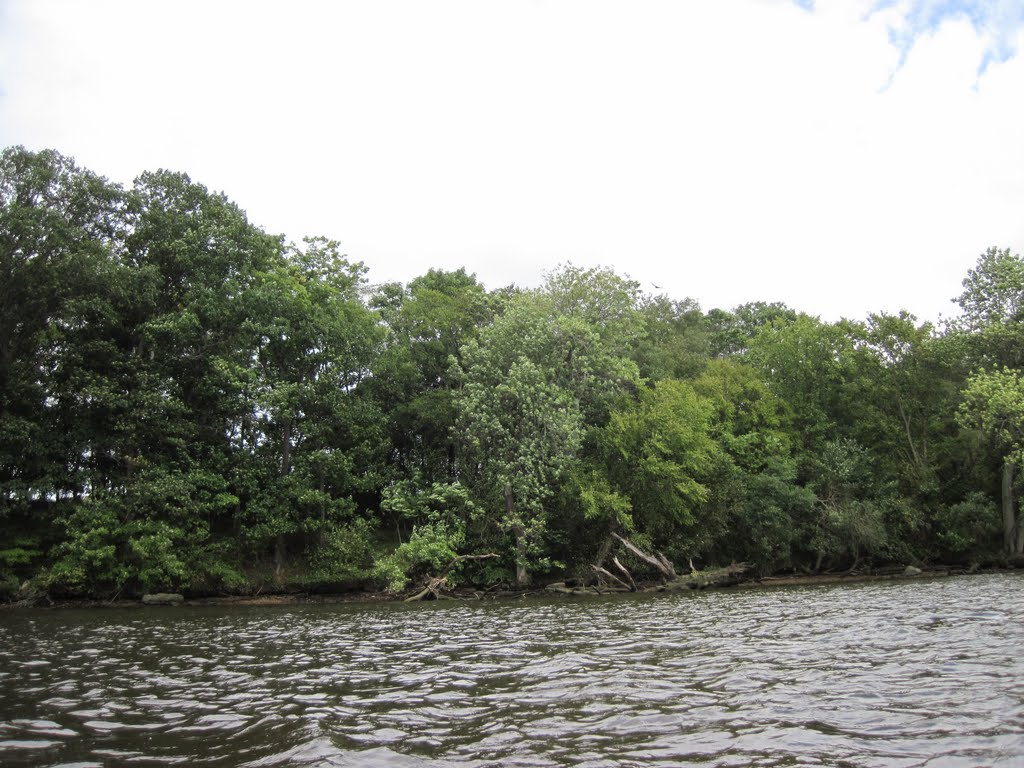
{"type": "Point", "coordinates": [890, 674]}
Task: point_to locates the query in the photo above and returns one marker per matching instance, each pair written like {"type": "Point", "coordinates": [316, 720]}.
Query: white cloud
{"type": "Point", "coordinates": [730, 151]}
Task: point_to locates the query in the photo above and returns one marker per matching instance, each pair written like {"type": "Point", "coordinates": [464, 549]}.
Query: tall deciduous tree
{"type": "Point", "coordinates": [60, 228]}
{"type": "Point", "coordinates": [658, 454]}
{"type": "Point", "coordinates": [809, 365]}
{"type": "Point", "coordinates": [520, 426]}
{"type": "Point", "coordinates": [311, 434]}
{"type": "Point", "coordinates": [991, 335]}
{"type": "Point", "coordinates": [427, 324]}
{"type": "Point", "coordinates": [994, 405]}
{"type": "Point", "coordinates": [675, 342]}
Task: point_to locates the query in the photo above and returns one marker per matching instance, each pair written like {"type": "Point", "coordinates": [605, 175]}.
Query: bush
{"type": "Point", "coordinates": [428, 551]}
{"type": "Point", "coordinates": [346, 555]}
{"type": "Point", "coordinates": [969, 530]}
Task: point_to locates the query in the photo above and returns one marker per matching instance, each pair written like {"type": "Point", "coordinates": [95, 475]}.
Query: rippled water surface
{"type": "Point", "coordinates": [922, 673]}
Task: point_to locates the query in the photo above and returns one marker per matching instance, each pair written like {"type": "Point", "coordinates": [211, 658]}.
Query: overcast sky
{"type": "Point", "coordinates": [842, 156]}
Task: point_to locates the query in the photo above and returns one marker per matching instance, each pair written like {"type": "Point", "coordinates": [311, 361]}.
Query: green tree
{"type": "Point", "coordinates": [749, 422]}
{"type": "Point", "coordinates": [675, 342]}
{"type": "Point", "coordinates": [520, 426]}
{"type": "Point", "coordinates": [310, 436]}
{"type": "Point", "coordinates": [427, 324]}
{"type": "Point", "coordinates": [730, 333]}
{"type": "Point", "coordinates": [847, 521]}
{"type": "Point", "coordinates": [993, 291]}
{"type": "Point", "coordinates": [753, 489]}
{"type": "Point", "coordinates": [594, 328]}
{"type": "Point", "coordinates": [994, 406]}
{"type": "Point", "coordinates": [554, 364]}
{"type": "Point", "coordinates": [906, 391]}
{"type": "Point", "coordinates": [60, 229]}
{"type": "Point", "coordinates": [809, 364]}
{"type": "Point", "coordinates": [989, 335]}
{"type": "Point", "coordinates": [658, 454]}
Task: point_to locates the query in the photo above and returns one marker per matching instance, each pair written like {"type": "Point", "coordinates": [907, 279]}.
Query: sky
{"type": "Point", "coordinates": [845, 157]}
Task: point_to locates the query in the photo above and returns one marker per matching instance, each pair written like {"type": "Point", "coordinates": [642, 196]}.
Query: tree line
{"type": "Point", "coordinates": [188, 402]}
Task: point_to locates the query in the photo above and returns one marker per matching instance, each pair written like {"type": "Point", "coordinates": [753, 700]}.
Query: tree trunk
{"type": "Point", "coordinates": [1013, 531]}
{"type": "Point", "coordinates": [522, 577]}
{"type": "Point", "coordinates": [286, 447]}
{"type": "Point", "coordinates": [1011, 540]}
{"type": "Point", "coordinates": [286, 468]}
{"type": "Point", "coordinates": [279, 554]}
{"type": "Point", "coordinates": [602, 553]}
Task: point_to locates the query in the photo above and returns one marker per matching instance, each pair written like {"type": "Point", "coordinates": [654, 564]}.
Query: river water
{"type": "Point", "coordinates": [907, 673]}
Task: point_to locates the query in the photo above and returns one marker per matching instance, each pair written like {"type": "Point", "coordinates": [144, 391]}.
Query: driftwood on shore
{"type": "Point", "coordinates": [728, 576]}
{"type": "Point", "coordinates": [612, 577]}
{"type": "Point", "coordinates": [435, 584]}
{"type": "Point", "coordinates": [623, 581]}
{"type": "Point", "coordinates": [714, 577]}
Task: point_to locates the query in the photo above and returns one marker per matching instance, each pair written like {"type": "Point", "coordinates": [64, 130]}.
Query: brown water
{"type": "Point", "coordinates": [920, 673]}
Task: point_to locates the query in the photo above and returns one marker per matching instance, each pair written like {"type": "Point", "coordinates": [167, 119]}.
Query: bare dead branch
{"type": "Point", "coordinates": [603, 572]}
{"type": "Point", "coordinates": [621, 567]}
{"type": "Point", "coordinates": [660, 562]}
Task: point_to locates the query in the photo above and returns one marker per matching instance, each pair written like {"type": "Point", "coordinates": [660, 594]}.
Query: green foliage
{"type": "Point", "coordinates": [905, 393]}
{"type": "Point", "coordinates": [429, 550]}
{"type": "Point", "coordinates": [427, 325]}
{"type": "Point", "coordinates": [104, 552]}
{"type": "Point", "coordinates": [993, 405]}
{"type": "Point", "coordinates": [658, 454]}
{"type": "Point", "coordinates": [730, 333]}
{"type": "Point", "coordinates": [993, 291]}
{"type": "Point", "coordinates": [761, 514]}
{"type": "Point", "coordinates": [213, 566]}
{"type": "Point", "coordinates": [17, 561]}
{"type": "Point", "coordinates": [747, 420]}
{"type": "Point", "coordinates": [674, 343]}
{"type": "Point", "coordinates": [908, 526]}
{"type": "Point", "coordinates": [968, 530]}
{"type": "Point", "coordinates": [17, 555]}
{"type": "Point", "coordinates": [183, 397]}
{"type": "Point", "coordinates": [346, 555]}
{"type": "Point", "coordinates": [847, 522]}
{"type": "Point", "coordinates": [86, 561]}
{"type": "Point", "coordinates": [808, 364]}
{"type": "Point", "coordinates": [519, 422]}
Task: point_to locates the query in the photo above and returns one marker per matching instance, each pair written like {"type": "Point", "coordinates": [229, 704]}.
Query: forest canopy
{"type": "Point", "coordinates": [190, 403]}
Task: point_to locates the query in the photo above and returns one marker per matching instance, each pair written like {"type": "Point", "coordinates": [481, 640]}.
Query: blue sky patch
{"type": "Point", "coordinates": [996, 21]}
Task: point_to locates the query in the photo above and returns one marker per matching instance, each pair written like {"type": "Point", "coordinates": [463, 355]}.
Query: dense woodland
{"type": "Point", "coordinates": [189, 403]}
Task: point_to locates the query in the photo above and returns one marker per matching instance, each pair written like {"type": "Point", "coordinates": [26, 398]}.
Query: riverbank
{"type": "Point", "coordinates": [558, 589]}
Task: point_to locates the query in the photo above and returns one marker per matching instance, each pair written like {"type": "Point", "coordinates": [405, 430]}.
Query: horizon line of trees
{"type": "Point", "coordinates": [188, 402]}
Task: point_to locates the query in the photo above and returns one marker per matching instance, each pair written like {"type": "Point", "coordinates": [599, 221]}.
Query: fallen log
{"type": "Point", "coordinates": [434, 584]}
{"type": "Point", "coordinates": [716, 577]}
{"type": "Point", "coordinates": [163, 598]}
{"type": "Point", "coordinates": [431, 591]}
